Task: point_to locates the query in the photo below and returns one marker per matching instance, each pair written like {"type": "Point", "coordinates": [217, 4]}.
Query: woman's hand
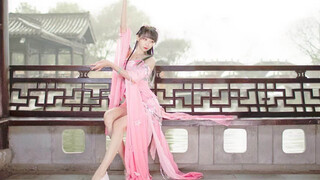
{"type": "Point", "coordinates": [100, 64]}
{"type": "Point", "coordinates": [123, 20]}
{"type": "Point", "coordinates": [105, 63]}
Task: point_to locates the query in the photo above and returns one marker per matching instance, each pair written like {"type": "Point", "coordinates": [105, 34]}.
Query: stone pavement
{"type": "Point", "coordinates": [208, 175]}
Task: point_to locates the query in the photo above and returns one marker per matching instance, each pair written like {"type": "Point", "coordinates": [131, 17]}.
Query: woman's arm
{"type": "Point", "coordinates": [133, 76]}
{"type": "Point", "coordinates": [123, 24]}
{"type": "Point", "coordinates": [151, 62]}
{"type": "Point", "coordinates": [121, 71]}
{"type": "Point", "coordinates": [105, 63]}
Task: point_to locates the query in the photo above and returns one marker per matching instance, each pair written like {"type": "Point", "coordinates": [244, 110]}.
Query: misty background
{"type": "Point", "coordinates": [204, 31]}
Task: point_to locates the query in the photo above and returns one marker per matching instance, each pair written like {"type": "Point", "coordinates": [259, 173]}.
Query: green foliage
{"type": "Point", "coordinates": [24, 7]}
{"type": "Point", "coordinates": [171, 50]}
{"type": "Point", "coordinates": [65, 7]}
{"type": "Point", "coordinates": [108, 20]}
{"type": "Point", "coordinates": [107, 27]}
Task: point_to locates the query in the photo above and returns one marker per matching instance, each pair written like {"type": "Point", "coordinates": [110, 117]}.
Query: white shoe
{"type": "Point", "coordinates": [105, 177]}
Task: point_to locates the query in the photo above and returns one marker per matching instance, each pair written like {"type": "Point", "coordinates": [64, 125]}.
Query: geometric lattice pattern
{"type": "Point", "coordinates": [67, 97]}
{"type": "Point", "coordinates": [245, 91]}
{"type": "Point", "coordinates": [235, 97]}
{"type": "Point", "coordinates": [58, 93]}
{"type": "Point", "coordinates": [241, 96]}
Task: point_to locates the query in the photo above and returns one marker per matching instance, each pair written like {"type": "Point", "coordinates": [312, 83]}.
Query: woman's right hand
{"type": "Point", "coordinates": [99, 65]}
{"type": "Point", "coordinates": [123, 20]}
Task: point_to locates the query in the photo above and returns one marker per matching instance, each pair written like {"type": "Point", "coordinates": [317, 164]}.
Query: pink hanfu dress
{"type": "Point", "coordinates": [144, 119]}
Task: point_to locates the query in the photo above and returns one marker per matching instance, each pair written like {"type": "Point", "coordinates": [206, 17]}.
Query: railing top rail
{"type": "Point", "coordinates": [53, 68]}
{"type": "Point", "coordinates": [177, 68]}
{"type": "Point", "coordinates": [238, 68]}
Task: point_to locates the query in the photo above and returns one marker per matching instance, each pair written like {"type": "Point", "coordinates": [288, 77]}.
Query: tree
{"type": "Point", "coordinates": [65, 7]}
{"type": "Point", "coordinates": [107, 26]}
{"type": "Point", "coordinates": [24, 7]}
{"type": "Point", "coordinates": [307, 36]}
{"type": "Point", "coordinates": [171, 50]}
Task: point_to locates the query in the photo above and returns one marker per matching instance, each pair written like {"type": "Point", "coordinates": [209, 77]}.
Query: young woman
{"type": "Point", "coordinates": [134, 109]}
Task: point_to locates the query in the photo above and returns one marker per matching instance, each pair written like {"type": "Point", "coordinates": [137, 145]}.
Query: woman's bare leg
{"type": "Point", "coordinates": [109, 117]}
{"type": "Point", "coordinates": [116, 141]}
{"type": "Point", "coordinates": [121, 152]}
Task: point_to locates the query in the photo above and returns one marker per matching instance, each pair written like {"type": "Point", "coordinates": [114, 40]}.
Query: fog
{"type": "Point", "coordinates": [247, 31]}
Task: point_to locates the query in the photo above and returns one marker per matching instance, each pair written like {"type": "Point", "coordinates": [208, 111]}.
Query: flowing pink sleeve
{"type": "Point", "coordinates": [141, 72]}
{"type": "Point", "coordinates": [117, 86]}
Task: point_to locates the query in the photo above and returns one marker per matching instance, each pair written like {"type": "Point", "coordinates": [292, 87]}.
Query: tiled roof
{"type": "Point", "coordinates": [73, 26]}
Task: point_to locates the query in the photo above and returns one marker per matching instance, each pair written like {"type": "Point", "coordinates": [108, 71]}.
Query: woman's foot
{"type": "Point", "coordinates": [100, 176]}
{"type": "Point", "coordinates": [105, 177]}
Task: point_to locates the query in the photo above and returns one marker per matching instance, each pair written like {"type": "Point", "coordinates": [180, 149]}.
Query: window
{"type": "Point", "coordinates": [73, 141]}
{"type": "Point", "coordinates": [293, 141]}
{"type": "Point", "coordinates": [235, 140]}
{"type": "Point", "coordinates": [177, 140]}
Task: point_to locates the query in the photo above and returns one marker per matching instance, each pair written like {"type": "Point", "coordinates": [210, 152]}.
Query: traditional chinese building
{"type": "Point", "coordinates": [41, 39]}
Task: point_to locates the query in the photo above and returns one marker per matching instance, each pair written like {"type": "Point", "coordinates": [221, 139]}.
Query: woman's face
{"type": "Point", "coordinates": [145, 43]}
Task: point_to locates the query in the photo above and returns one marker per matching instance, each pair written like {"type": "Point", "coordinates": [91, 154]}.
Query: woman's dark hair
{"type": "Point", "coordinates": [149, 32]}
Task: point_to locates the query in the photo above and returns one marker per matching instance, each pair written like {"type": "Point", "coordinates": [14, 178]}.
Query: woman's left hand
{"type": "Point", "coordinates": [100, 64]}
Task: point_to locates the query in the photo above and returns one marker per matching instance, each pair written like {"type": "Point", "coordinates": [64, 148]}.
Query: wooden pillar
{"type": "Point", "coordinates": [40, 57]}
{"type": "Point", "coordinates": [40, 61]}
{"type": "Point", "coordinates": [4, 141]}
{"type": "Point", "coordinates": [57, 56]}
{"type": "Point", "coordinates": [72, 56]}
{"type": "Point", "coordinates": [26, 57]}
{"type": "Point", "coordinates": [57, 59]}
{"type": "Point", "coordinates": [4, 52]}
{"type": "Point", "coordinates": [83, 57]}
{"type": "Point", "coordinates": [4, 60]}
{"type": "Point", "coordinates": [26, 53]}
{"type": "Point", "coordinates": [72, 59]}
{"type": "Point", "coordinates": [10, 60]}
